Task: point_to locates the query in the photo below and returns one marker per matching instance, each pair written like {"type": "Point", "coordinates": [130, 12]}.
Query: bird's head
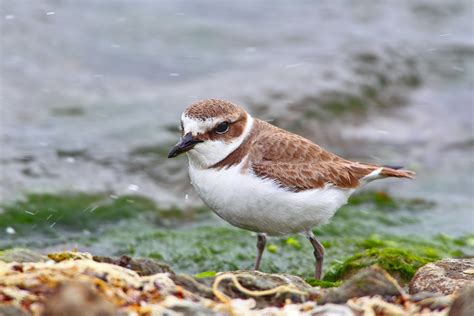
{"type": "Point", "coordinates": [211, 130]}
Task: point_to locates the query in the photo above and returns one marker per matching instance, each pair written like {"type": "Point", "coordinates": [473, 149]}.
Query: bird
{"type": "Point", "coordinates": [262, 178]}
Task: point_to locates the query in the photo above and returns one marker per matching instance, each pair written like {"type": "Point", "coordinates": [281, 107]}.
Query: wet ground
{"type": "Point", "coordinates": [92, 93]}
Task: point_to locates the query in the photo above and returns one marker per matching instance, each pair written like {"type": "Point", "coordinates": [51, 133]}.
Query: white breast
{"type": "Point", "coordinates": [260, 205]}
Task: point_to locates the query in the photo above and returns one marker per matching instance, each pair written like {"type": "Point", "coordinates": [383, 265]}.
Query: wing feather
{"type": "Point", "coordinates": [298, 164]}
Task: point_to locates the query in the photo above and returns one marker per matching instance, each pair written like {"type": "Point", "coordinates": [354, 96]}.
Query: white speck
{"type": "Point", "coordinates": [174, 74]}
{"type": "Point", "coordinates": [50, 13]}
{"type": "Point", "coordinates": [130, 201]}
{"type": "Point", "coordinates": [94, 208]}
{"type": "Point", "coordinates": [31, 213]}
{"type": "Point", "coordinates": [113, 196]}
{"type": "Point", "coordinates": [445, 34]}
{"type": "Point", "coordinates": [190, 182]}
{"type": "Point", "coordinates": [293, 65]}
{"type": "Point", "coordinates": [381, 131]}
{"type": "Point", "coordinates": [14, 60]}
{"type": "Point", "coordinates": [250, 49]}
{"type": "Point", "coordinates": [9, 17]}
{"type": "Point", "coordinates": [86, 232]}
{"type": "Point", "coordinates": [186, 197]}
{"type": "Point", "coordinates": [431, 49]}
{"type": "Point", "coordinates": [49, 216]}
{"type": "Point", "coordinates": [10, 230]}
{"type": "Point", "coordinates": [70, 160]}
{"type": "Point", "coordinates": [52, 225]}
{"type": "Point", "coordinates": [133, 187]}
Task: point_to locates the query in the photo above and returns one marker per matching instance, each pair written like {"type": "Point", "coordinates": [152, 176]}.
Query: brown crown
{"type": "Point", "coordinates": [212, 108]}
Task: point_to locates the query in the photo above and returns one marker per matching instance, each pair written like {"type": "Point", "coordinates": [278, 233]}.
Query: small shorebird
{"type": "Point", "coordinates": [262, 178]}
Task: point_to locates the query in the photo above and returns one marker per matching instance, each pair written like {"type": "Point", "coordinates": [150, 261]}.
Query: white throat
{"type": "Point", "coordinates": [210, 152]}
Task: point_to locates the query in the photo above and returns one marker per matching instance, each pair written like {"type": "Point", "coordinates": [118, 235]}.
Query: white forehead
{"type": "Point", "coordinates": [198, 126]}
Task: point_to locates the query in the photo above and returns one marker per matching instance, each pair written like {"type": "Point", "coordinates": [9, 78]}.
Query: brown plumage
{"type": "Point", "coordinates": [298, 164]}
{"type": "Point", "coordinates": [230, 153]}
{"type": "Point", "coordinates": [211, 108]}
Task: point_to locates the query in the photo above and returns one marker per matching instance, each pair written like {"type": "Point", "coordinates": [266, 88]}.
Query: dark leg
{"type": "Point", "coordinates": [261, 241]}
{"type": "Point", "coordinates": [318, 254]}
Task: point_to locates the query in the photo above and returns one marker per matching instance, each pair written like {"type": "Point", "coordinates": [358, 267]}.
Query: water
{"type": "Point", "coordinates": [85, 90]}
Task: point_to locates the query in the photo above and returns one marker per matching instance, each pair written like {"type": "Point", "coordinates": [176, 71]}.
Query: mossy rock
{"type": "Point", "coordinates": [367, 282]}
{"type": "Point", "coordinates": [400, 263]}
{"type": "Point", "coordinates": [142, 266]}
{"type": "Point", "coordinates": [323, 283]}
{"type": "Point", "coordinates": [21, 255]}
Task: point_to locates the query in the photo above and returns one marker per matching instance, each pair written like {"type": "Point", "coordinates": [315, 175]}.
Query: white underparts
{"type": "Point", "coordinates": [247, 201]}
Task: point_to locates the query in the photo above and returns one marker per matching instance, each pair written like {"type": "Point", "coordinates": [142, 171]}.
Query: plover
{"type": "Point", "coordinates": [262, 178]}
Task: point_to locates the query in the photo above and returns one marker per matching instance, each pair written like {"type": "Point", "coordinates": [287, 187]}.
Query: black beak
{"type": "Point", "coordinates": [187, 143]}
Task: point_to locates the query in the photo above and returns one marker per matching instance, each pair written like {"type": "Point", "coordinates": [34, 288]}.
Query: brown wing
{"type": "Point", "coordinates": [299, 164]}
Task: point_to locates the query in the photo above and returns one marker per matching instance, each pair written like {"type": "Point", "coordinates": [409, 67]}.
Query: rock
{"type": "Point", "coordinates": [446, 276]}
{"type": "Point", "coordinates": [463, 305]}
{"type": "Point", "coordinates": [142, 266]}
{"type": "Point", "coordinates": [12, 311]}
{"type": "Point", "coordinates": [433, 301]}
{"type": "Point", "coordinates": [175, 306]}
{"type": "Point", "coordinates": [26, 285]}
{"type": "Point", "coordinates": [201, 287]}
{"type": "Point", "coordinates": [332, 309]}
{"type": "Point", "coordinates": [21, 255]}
{"type": "Point", "coordinates": [265, 289]}
{"type": "Point", "coordinates": [368, 282]}
{"type": "Point", "coordinates": [308, 308]}
{"type": "Point", "coordinates": [77, 299]}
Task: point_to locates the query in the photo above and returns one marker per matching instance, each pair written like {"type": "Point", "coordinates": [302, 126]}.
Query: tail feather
{"type": "Point", "coordinates": [396, 167]}
{"type": "Point", "coordinates": [373, 172]}
{"type": "Point", "coordinates": [397, 173]}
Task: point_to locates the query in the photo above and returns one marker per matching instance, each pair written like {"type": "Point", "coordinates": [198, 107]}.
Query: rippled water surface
{"type": "Point", "coordinates": [92, 91]}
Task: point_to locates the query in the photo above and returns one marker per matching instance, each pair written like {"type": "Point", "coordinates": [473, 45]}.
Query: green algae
{"type": "Point", "coordinates": [396, 261]}
{"type": "Point", "coordinates": [382, 83]}
{"type": "Point", "coordinates": [383, 201]}
{"type": "Point", "coordinates": [48, 213]}
{"type": "Point", "coordinates": [293, 242]}
{"type": "Point", "coordinates": [323, 283]}
{"type": "Point", "coordinates": [135, 226]}
{"type": "Point", "coordinates": [400, 256]}
{"type": "Point", "coordinates": [273, 248]}
{"type": "Point", "coordinates": [71, 210]}
{"type": "Point", "coordinates": [205, 274]}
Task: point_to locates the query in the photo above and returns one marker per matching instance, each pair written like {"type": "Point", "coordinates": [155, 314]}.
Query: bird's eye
{"type": "Point", "coordinates": [222, 128]}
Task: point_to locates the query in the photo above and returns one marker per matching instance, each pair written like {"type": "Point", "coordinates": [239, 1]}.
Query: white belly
{"type": "Point", "coordinates": [260, 205]}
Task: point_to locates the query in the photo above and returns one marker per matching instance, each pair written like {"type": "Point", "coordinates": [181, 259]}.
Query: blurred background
{"type": "Point", "coordinates": [92, 92]}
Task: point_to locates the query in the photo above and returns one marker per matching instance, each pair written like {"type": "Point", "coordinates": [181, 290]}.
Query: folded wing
{"type": "Point", "coordinates": [298, 164]}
